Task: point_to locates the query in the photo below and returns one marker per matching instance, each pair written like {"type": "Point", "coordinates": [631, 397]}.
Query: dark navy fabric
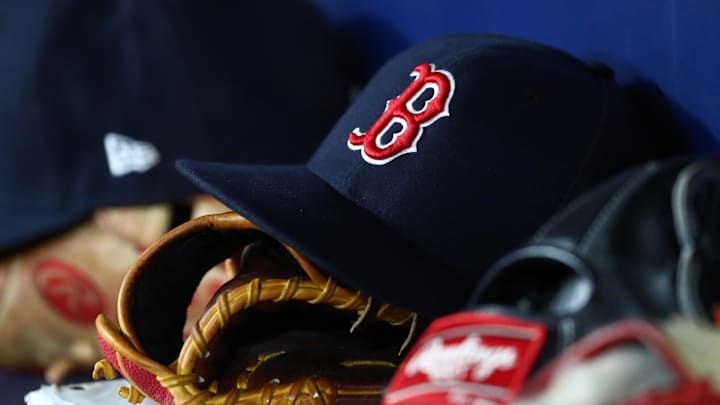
{"type": "Point", "coordinates": [529, 127]}
{"type": "Point", "coordinates": [661, 50]}
{"type": "Point", "coordinates": [222, 80]}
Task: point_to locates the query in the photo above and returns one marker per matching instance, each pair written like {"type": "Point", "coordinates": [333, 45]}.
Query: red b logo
{"type": "Point", "coordinates": [400, 110]}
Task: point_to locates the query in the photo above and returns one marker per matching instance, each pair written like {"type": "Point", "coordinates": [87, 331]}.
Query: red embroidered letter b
{"type": "Point", "coordinates": [401, 111]}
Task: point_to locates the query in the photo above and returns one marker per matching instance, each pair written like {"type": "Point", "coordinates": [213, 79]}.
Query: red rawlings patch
{"type": "Point", "coordinates": [467, 358]}
{"type": "Point", "coordinates": [68, 291]}
{"type": "Point", "coordinates": [716, 314]}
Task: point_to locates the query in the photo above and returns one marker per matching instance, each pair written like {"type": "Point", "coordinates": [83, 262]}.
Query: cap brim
{"type": "Point", "coordinates": [298, 208]}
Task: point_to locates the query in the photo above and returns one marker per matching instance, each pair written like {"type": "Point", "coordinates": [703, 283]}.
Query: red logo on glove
{"type": "Point", "coordinates": [68, 291]}
{"type": "Point", "coordinates": [467, 358]}
{"type": "Point", "coordinates": [401, 111]}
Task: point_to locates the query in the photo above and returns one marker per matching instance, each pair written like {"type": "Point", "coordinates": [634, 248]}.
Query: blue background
{"type": "Point", "coordinates": [668, 46]}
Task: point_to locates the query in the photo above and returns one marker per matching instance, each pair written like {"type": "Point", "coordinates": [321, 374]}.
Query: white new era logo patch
{"type": "Point", "coordinates": [126, 155]}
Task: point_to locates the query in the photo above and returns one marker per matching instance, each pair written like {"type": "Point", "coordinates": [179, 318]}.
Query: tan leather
{"type": "Point", "coordinates": [51, 292]}
{"type": "Point", "coordinates": [245, 348]}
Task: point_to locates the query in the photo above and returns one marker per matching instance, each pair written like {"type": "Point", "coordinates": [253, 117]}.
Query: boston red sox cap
{"type": "Point", "coordinates": [456, 151]}
{"type": "Point", "coordinates": [99, 98]}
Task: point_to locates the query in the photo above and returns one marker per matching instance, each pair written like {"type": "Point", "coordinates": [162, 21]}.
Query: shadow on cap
{"type": "Point", "coordinates": [456, 151]}
{"type": "Point", "coordinates": [105, 96]}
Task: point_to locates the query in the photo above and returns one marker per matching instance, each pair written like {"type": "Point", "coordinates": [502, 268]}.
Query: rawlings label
{"type": "Point", "coordinates": [68, 291]}
{"type": "Point", "coordinates": [377, 150]}
{"type": "Point", "coordinates": [467, 358]}
{"type": "Point", "coordinates": [440, 362]}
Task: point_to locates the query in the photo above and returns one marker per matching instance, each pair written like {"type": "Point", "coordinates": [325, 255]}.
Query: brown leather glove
{"type": "Point", "coordinates": [280, 331]}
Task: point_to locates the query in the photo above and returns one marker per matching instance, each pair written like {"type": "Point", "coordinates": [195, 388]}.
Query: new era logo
{"type": "Point", "coordinates": [126, 155]}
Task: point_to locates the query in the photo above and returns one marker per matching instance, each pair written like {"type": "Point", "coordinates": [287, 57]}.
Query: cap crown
{"type": "Point", "coordinates": [113, 92]}
{"type": "Point", "coordinates": [502, 135]}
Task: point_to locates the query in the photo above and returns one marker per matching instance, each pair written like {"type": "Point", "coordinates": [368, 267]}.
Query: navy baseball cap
{"type": "Point", "coordinates": [455, 152]}
{"type": "Point", "coordinates": [101, 97]}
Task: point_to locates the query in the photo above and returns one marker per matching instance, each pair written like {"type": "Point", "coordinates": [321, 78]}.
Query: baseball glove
{"type": "Point", "coordinates": [280, 331]}
{"type": "Point", "coordinates": [630, 256]}
{"type": "Point", "coordinates": [643, 244]}
{"type": "Point", "coordinates": [481, 357]}
{"type": "Point", "coordinates": [53, 290]}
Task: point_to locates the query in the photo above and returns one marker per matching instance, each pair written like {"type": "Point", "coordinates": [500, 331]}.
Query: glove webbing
{"type": "Point", "coordinates": [184, 385]}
